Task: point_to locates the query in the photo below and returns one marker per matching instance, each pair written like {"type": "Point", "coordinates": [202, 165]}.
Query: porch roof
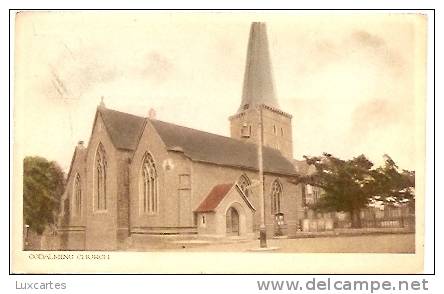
{"type": "Point", "coordinates": [214, 197]}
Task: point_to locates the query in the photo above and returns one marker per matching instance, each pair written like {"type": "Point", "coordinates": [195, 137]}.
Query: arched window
{"type": "Point", "coordinates": [66, 207]}
{"type": "Point", "coordinates": [243, 184]}
{"type": "Point", "coordinates": [149, 189]}
{"type": "Point", "coordinates": [77, 196]}
{"type": "Point", "coordinates": [100, 180]}
{"type": "Point", "coordinates": [276, 195]}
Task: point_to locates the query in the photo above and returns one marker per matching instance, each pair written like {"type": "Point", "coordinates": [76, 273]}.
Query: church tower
{"type": "Point", "coordinates": [259, 103]}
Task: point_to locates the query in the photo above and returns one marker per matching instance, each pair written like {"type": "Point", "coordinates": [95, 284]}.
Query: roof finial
{"type": "Point", "coordinates": [102, 103]}
{"type": "Point", "coordinates": [152, 113]}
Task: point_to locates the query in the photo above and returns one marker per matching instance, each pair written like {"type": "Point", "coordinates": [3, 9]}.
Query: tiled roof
{"type": "Point", "coordinates": [214, 198]}
{"type": "Point", "coordinates": [206, 147]}
{"type": "Point", "coordinates": [301, 166]}
{"type": "Point", "coordinates": [125, 130]}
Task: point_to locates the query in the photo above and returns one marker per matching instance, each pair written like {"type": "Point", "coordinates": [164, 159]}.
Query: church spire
{"type": "Point", "coordinates": [271, 122]}
{"type": "Point", "coordinates": [258, 79]}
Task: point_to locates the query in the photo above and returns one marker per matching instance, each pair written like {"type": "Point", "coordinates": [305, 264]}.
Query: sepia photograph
{"type": "Point", "coordinates": [160, 141]}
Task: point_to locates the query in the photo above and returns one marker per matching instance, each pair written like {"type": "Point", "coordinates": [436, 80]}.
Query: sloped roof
{"type": "Point", "coordinates": [77, 152]}
{"type": "Point", "coordinates": [214, 198]}
{"type": "Point", "coordinates": [212, 148]}
{"type": "Point", "coordinates": [125, 130]}
{"type": "Point", "coordinates": [301, 166]}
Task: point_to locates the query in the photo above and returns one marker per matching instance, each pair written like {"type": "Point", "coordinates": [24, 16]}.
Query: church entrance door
{"type": "Point", "coordinates": [232, 222]}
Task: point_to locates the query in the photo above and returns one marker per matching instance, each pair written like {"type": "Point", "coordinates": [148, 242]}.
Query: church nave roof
{"type": "Point", "coordinates": [125, 130]}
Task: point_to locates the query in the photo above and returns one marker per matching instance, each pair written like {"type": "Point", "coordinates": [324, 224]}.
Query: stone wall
{"type": "Point", "coordinates": [206, 176]}
{"type": "Point", "coordinates": [277, 129]}
{"type": "Point", "coordinates": [101, 226]}
{"type": "Point", "coordinates": [182, 185]}
{"type": "Point", "coordinates": [173, 210]}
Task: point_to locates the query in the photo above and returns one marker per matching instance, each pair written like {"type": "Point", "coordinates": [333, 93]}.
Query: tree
{"type": "Point", "coordinates": [43, 186]}
{"type": "Point", "coordinates": [350, 185]}
{"type": "Point", "coordinates": [392, 186]}
{"type": "Point", "coordinates": [347, 184]}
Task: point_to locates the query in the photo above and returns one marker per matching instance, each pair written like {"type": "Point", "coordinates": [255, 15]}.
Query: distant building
{"type": "Point", "coordinates": [139, 177]}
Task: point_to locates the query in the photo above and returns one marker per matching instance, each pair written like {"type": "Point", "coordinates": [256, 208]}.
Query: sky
{"type": "Point", "coordinates": [349, 80]}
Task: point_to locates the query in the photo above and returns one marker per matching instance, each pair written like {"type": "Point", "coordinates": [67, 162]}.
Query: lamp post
{"type": "Point", "coordinates": [262, 228]}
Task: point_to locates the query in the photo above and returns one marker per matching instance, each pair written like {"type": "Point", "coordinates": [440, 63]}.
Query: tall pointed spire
{"type": "Point", "coordinates": [258, 78]}
{"type": "Point", "coordinates": [248, 124]}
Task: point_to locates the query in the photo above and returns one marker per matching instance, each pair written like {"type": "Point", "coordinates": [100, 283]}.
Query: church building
{"type": "Point", "coordinates": [138, 177]}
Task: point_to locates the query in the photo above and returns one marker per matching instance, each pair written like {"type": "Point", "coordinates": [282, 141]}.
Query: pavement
{"type": "Point", "coordinates": [355, 232]}
{"type": "Point", "coordinates": [383, 243]}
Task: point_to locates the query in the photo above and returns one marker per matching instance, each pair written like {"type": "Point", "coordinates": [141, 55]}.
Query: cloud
{"type": "Point", "coordinates": [77, 71]}
{"type": "Point", "coordinates": [373, 115]}
{"type": "Point", "coordinates": [361, 46]}
{"type": "Point", "coordinates": [365, 39]}
{"type": "Point", "coordinates": [378, 48]}
{"type": "Point", "coordinates": [157, 67]}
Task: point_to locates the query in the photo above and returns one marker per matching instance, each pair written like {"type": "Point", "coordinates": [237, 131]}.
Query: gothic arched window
{"type": "Point", "coordinates": [243, 184]}
{"type": "Point", "coordinates": [149, 189]}
{"type": "Point", "coordinates": [100, 180]}
{"type": "Point", "coordinates": [77, 196]}
{"type": "Point", "coordinates": [276, 195]}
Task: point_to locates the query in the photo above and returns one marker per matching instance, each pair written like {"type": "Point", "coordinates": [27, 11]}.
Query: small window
{"type": "Point", "coordinates": [274, 129]}
{"type": "Point", "coordinates": [203, 219]}
{"type": "Point", "coordinates": [309, 197]}
{"type": "Point", "coordinates": [66, 207]}
{"type": "Point", "coordinates": [245, 130]}
{"type": "Point", "coordinates": [282, 132]}
{"type": "Point", "coordinates": [77, 196]}
{"type": "Point", "coordinates": [184, 181]}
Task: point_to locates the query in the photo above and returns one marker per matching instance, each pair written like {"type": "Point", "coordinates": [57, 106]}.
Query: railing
{"type": "Point", "coordinates": [387, 222]}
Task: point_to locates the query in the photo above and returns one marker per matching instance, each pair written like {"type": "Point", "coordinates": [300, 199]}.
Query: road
{"type": "Point", "coordinates": [387, 243]}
